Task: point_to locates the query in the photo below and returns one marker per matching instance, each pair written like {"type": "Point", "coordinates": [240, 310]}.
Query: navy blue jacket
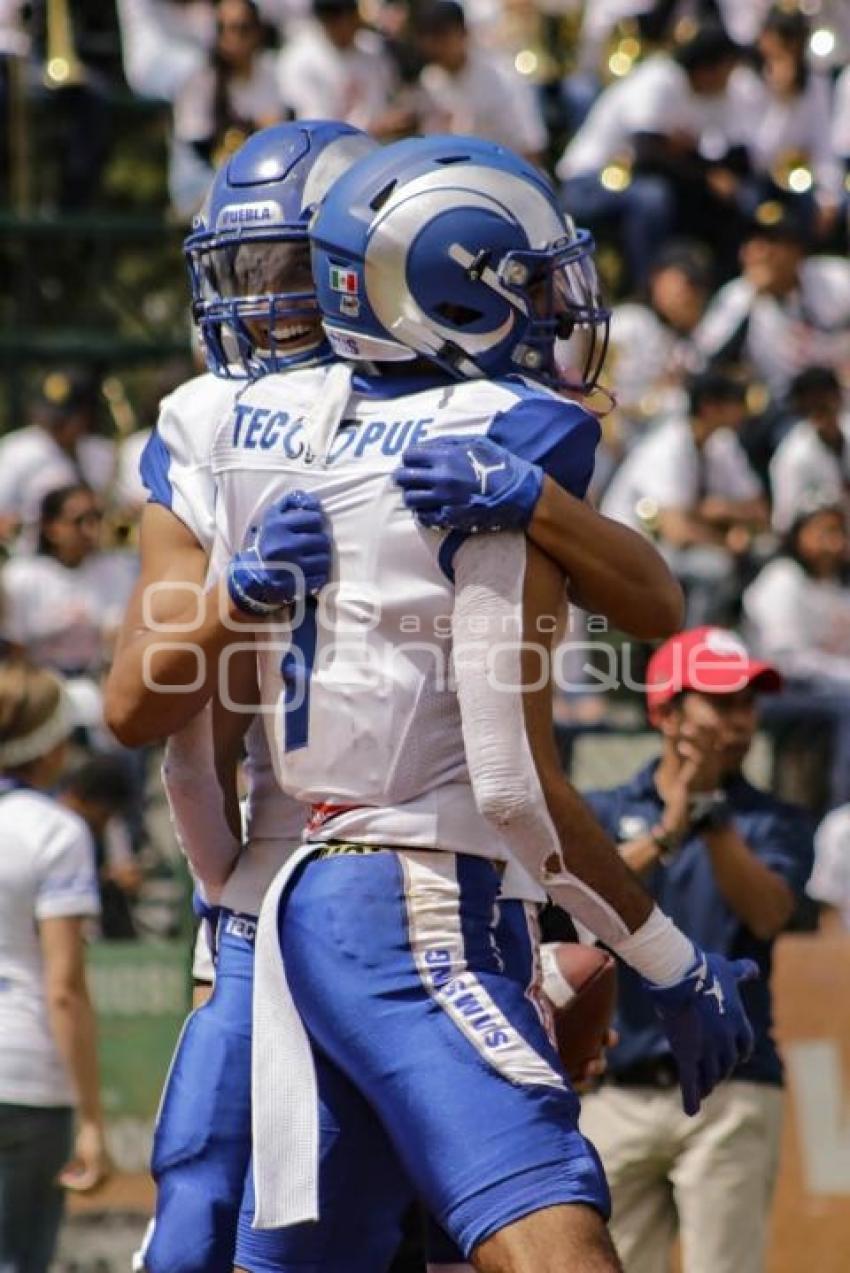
{"type": "Point", "coordinates": [779, 834]}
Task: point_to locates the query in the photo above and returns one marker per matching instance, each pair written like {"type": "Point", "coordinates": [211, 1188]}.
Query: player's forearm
{"type": "Point", "coordinates": [612, 570]}
{"type": "Point", "coordinates": [201, 794]}
{"type": "Point", "coordinates": [590, 854]}
{"type": "Point", "coordinates": [72, 1024]}
{"type": "Point", "coordinates": [757, 895]}
{"type": "Point", "coordinates": [161, 679]}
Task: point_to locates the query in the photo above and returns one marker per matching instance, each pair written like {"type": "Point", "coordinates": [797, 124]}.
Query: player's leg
{"type": "Point", "coordinates": [724, 1178]}
{"type": "Point", "coordinates": [635, 1130]}
{"type": "Point", "coordinates": [392, 961]}
{"type": "Point", "coordinates": [363, 1195]}
{"type": "Point", "coordinates": [517, 937]}
{"type": "Point", "coordinates": [563, 1239]}
{"type": "Point", "coordinates": [202, 1142]}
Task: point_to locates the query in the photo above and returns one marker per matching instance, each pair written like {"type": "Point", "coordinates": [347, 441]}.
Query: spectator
{"type": "Point", "coordinates": [62, 607]}
{"type": "Point", "coordinates": [840, 135]}
{"type": "Point", "coordinates": [788, 106]}
{"type": "Point", "coordinates": [59, 448]}
{"type": "Point", "coordinates": [334, 69]}
{"type": "Point", "coordinates": [163, 43]}
{"type": "Point", "coordinates": [786, 310]}
{"type": "Point", "coordinates": [48, 1063]}
{"type": "Point", "coordinates": [652, 349]}
{"type": "Point", "coordinates": [101, 791]}
{"type": "Point", "coordinates": [727, 862]}
{"type": "Point", "coordinates": [232, 95]}
{"type": "Point", "coordinates": [798, 608]}
{"type": "Point", "coordinates": [830, 882]}
{"type": "Point", "coordinates": [690, 483]}
{"type": "Point", "coordinates": [470, 90]}
{"type": "Point", "coordinates": [651, 155]}
{"type": "Point", "coordinates": [129, 494]}
{"type": "Point", "coordinates": [812, 463]}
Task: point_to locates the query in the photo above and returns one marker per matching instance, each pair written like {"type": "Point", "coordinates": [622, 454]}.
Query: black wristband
{"type": "Point", "coordinates": [712, 813]}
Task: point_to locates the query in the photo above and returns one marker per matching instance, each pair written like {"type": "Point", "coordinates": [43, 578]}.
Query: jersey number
{"type": "Point", "coordinates": [296, 669]}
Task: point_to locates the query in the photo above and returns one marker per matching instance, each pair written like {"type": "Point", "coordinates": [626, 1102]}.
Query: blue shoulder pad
{"type": "Point", "coordinates": [558, 435]}
{"type": "Point", "coordinates": [153, 470]}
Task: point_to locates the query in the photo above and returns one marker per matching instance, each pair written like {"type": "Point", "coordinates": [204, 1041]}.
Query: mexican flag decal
{"type": "Point", "coordinates": [343, 280]}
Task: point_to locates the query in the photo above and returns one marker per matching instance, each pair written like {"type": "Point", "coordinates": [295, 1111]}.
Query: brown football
{"type": "Point", "coordinates": [581, 982]}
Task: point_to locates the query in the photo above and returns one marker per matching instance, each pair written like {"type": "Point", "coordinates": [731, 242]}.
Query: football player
{"type": "Point", "coordinates": [394, 1010]}
{"type": "Point", "coordinates": [249, 324]}
{"type": "Point", "coordinates": [254, 306]}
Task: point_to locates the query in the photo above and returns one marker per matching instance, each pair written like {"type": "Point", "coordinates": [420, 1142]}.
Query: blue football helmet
{"type": "Point", "coordinates": [249, 260]}
{"type": "Point", "coordinates": [455, 249]}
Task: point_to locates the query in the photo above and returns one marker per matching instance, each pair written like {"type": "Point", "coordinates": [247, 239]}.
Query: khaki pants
{"type": "Point", "coordinates": [710, 1177]}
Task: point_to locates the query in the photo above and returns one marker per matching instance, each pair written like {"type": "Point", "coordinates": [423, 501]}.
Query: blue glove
{"type": "Point", "coordinates": [705, 1023]}
{"type": "Point", "coordinates": [469, 484]}
{"type": "Point", "coordinates": [289, 557]}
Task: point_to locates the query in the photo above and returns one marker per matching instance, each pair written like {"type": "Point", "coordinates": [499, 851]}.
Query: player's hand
{"type": "Point", "coordinates": [706, 1026]}
{"type": "Point", "coordinates": [288, 557]}
{"type": "Point", "coordinates": [468, 484]}
{"type": "Point", "coordinates": [90, 1164]}
{"type": "Point", "coordinates": [590, 1073]}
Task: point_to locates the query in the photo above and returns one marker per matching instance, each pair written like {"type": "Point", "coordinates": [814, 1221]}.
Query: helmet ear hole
{"type": "Point", "coordinates": [382, 195]}
{"type": "Point", "coordinates": [458, 315]}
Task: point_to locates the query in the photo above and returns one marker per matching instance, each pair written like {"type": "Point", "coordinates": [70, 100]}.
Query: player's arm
{"type": "Point", "coordinates": [503, 623]}
{"type": "Point", "coordinates": [166, 657]}
{"type": "Point", "coordinates": [175, 631]}
{"type": "Point", "coordinates": [73, 1026]}
{"type": "Point", "coordinates": [611, 569]}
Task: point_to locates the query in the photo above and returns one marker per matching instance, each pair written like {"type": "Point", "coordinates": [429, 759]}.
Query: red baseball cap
{"type": "Point", "coordinates": [708, 661]}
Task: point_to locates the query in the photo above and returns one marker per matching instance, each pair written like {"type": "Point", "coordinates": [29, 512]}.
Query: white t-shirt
{"type": "Point", "coordinates": [779, 125]}
{"type": "Point", "coordinates": [63, 617]}
{"type": "Point", "coordinates": [655, 98]}
{"type": "Point", "coordinates": [648, 361]}
{"type": "Point", "coordinates": [665, 467]}
{"type": "Point", "coordinates": [32, 464]}
{"type": "Point", "coordinates": [799, 623]}
{"type": "Point", "coordinates": [804, 471]}
{"type": "Point", "coordinates": [129, 489]}
{"type": "Point", "coordinates": [254, 98]}
{"type": "Point", "coordinates": [163, 43]}
{"type": "Point", "coordinates": [487, 98]}
{"type": "Point", "coordinates": [830, 879]}
{"type": "Point", "coordinates": [785, 335]}
{"type": "Point", "coordinates": [841, 115]}
{"type": "Point", "coordinates": [319, 81]}
{"type": "Point", "coordinates": [47, 871]}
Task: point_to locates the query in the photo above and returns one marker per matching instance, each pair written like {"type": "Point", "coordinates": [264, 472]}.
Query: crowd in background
{"type": "Point", "coordinates": [707, 147]}
{"type": "Point", "coordinates": [705, 143]}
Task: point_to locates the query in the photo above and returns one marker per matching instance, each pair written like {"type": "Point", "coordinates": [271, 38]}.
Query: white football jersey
{"type": "Point", "coordinates": [356, 690]}
{"type": "Point", "coordinates": [176, 471]}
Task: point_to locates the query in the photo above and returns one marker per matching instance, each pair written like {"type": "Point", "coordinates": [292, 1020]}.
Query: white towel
{"type": "Point", "coordinates": [284, 1096]}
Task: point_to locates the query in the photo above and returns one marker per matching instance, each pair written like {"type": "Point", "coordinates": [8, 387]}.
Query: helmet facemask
{"type": "Point", "coordinates": [254, 302]}
{"type": "Point", "coordinates": [556, 290]}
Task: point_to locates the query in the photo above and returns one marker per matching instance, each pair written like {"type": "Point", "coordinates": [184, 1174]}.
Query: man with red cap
{"type": "Point", "coordinates": [728, 863]}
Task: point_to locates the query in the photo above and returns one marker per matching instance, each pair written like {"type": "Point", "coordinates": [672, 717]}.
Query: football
{"type": "Point", "coordinates": [581, 982]}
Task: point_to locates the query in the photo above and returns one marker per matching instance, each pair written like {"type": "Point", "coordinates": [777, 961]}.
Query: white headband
{"type": "Point", "coordinates": [52, 732]}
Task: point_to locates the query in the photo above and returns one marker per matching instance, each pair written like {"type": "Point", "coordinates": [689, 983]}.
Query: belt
{"type": "Point", "coordinates": [657, 1071]}
{"type": "Point", "coordinates": [342, 848]}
